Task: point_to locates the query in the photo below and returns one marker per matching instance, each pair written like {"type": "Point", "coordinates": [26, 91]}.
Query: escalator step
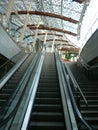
{"type": "Point", "coordinates": [47, 108]}
{"type": "Point", "coordinates": [47, 116]}
{"type": "Point", "coordinates": [46, 89]}
{"type": "Point", "coordinates": [4, 95]}
{"type": "Point", "coordinates": [48, 100]}
{"type": "Point", "coordinates": [49, 84]}
{"type": "Point", "coordinates": [48, 94]}
{"type": "Point", "coordinates": [2, 101]}
{"type": "Point", "coordinates": [46, 126]}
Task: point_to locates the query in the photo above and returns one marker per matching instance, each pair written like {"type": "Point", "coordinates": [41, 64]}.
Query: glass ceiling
{"type": "Point", "coordinates": [58, 17]}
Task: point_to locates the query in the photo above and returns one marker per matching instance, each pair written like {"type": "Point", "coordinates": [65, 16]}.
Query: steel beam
{"type": "Point", "coordinates": [47, 14]}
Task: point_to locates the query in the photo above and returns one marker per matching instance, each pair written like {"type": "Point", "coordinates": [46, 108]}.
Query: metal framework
{"type": "Point", "coordinates": [62, 18]}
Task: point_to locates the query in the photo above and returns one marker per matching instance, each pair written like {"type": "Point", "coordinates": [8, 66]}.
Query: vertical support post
{"type": "Point", "coordinates": [45, 38]}
{"type": "Point", "coordinates": [10, 6]}
{"type": "Point", "coordinates": [25, 24]}
{"type": "Point", "coordinates": [52, 49]}
{"type": "Point", "coordinates": [35, 37]}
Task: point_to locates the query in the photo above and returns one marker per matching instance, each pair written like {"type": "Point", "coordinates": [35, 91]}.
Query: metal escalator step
{"type": "Point", "coordinates": [89, 107]}
{"type": "Point", "coordinates": [2, 101]}
{"type": "Point", "coordinates": [48, 94]}
{"type": "Point", "coordinates": [4, 95]}
{"type": "Point", "coordinates": [92, 102]}
{"type": "Point", "coordinates": [10, 86]}
{"type": "Point", "coordinates": [46, 89]}
{"type": "Point", "coordinates": [91, 113]}
{"type": "Point", "coordinates": [47, 108]}
{"type": "Point", "coordinates": [92, 120]}
{"type": "Point", "coordinates": [87, 93]}
{"type": "Point", "coordinates": [13, 81]}
{"type": "Point", "coordinates": [47, 126]}
{"type": "Point", "coordinates": [49, 84]}
{"type": "Point", "coordinates": [47, 116]}
{"type": "Point", "coordinates": [8, 91]}
{"type": "Point", "coordinates": [48, 78]}
{"type": "Point", "coordinates": [48, 100]}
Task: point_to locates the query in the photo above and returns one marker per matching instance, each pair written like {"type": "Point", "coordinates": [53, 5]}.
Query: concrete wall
{"type": "Point", "coordinates": [90, 50]}
{"type": "Point", "coordinates": [7, 46]}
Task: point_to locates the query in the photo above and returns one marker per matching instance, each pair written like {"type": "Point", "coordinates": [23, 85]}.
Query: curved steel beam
{"type": "Point", "coordinates": [43, 34]}
{"type": "Point", "coordinates": [56, 40]}
{"type": "Point", "coordinates": [70, 49]}
{"type": "Point", "coordinates": [46, 14]}
{"type": "Point", "coordinates": [33, 26]}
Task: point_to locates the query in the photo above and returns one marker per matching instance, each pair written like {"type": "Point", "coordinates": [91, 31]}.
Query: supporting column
{"type": "Point", "coordinates": [44, 44]}
{"type": "Point", "coordinates": [52, 49]}
{"type": "Point", "coordinates": [35, 37]}
{"type": "Point", "coordinates": [25, 24]}
{"type": "Point", "coordinates": [10, 6]}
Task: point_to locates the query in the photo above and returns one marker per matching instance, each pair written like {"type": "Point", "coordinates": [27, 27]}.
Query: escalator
{"type": "Point", "coordinates": [47, 111]}
{"type": "Point", "coordinates": [90, 91]}
{"type": "Point", "coordinates": [9, 90]}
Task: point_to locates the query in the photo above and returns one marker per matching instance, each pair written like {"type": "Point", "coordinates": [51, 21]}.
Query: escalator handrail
{"type": "Point", "coordinates": [76, 86]}
{"type": "Point", "coordinates": [67, 105]}
{"type": "Point", "coordinates": [67, 78]}
{"type": "Point", "coordinates": [11, 72]}
{"type": "Point", "coordinates": [32, 94]}
{"type": "Point", "coordinates": [12, 113]}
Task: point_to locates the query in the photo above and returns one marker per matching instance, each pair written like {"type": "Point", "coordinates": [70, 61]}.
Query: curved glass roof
{"type": "Point", "coordinates": [25, 18]}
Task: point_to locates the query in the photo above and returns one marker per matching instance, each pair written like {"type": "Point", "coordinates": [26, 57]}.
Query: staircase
{"type": "Point", "coordinates": [90, 90]}
{"type": "Point", "coordinates": [47, 112]}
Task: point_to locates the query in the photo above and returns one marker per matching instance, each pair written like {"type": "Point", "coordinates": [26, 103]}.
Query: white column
{"type": "Point", "coordinates": [45, 38]}
{"type": "Point", "coordinates": [35, 37]}
{"type": "Point", "coordinates": [10, 6]}
{"type": "Point", "coordinates": [52, 49]}
{"type": "Point", "coordinates": [25, 24]}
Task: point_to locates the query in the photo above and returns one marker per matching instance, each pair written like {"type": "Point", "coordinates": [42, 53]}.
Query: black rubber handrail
{"type": "Point", "coordinates": [67, 78]}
